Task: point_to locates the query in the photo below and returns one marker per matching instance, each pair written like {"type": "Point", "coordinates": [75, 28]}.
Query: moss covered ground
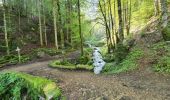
{"type": "Point", "coordinates": [17, 86]}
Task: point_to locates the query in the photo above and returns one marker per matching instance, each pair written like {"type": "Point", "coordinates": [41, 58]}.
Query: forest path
{"type": "Point", "coordinates": [83, 85]}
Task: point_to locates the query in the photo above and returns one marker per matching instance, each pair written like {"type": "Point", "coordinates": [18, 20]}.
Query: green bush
{"type": "Point", "coordinates": [67, 65]}
{"type": "Point", "coordinates": [86, 58]}
{"type": "Point", "coordinates": [120, 53]}
{"type": "Point", "coordinates": [109, 58]}
{"type": "Point", "coordinates": [12, 59]}
{"type": "Point", "coordinates": [162, 51]}
{"type": "Point", "coordinates": [49, 51]}
{"type": "Point", "coordinates": [166, 33]}
{"type": "Point", "coordinates": [129, 63]}
{"type": "Point", "coordinates": [108, 67]}
{"type": "Point", "coordinates": [163, 64]}
{"type": "Point", "coordinates": [14, 86]}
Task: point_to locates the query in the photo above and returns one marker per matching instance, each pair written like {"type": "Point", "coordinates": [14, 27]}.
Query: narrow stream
{"type": "Point", "coordinates": [98, 61]}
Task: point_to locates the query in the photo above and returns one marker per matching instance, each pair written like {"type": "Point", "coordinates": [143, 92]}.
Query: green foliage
{"type": "Point", "coordinates": [67, 65]}
{"type": "Point", "coordinates": [84, 67]}
{"type": "Point", "coordinates": [12, 59]}
{"type": "Point", "coordinates": [14, 86]}
{"type": "Point", "coordinates": [108, 67]}
{"type": "Point", "coordinates": [129, 63]}
{"type": "Point", "coordinates": [120, 52]}
{"type": "Point", "coordinates": [86, 58]}
{"type": "Point", "coordinates": [82, 60]}
{"type": "Point", "coordinates": [162, 53]}
{"type": "Point", "coordinates": [166, 32]}
{"type": "Point", "coordinates": [142, 11]}
{"type": "Point", "coordinates": [49, 51]}
{"type": "Point", "coordinates": [163, 64]}
{"type": "Point", "coordinates": [161, 46]}
{"type": "Point", "coordinates": [95, 39]}
{"type": "Point", "coordinates": [109, 58]}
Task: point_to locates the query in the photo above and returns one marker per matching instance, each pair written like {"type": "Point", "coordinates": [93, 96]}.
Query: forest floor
{"type": "Point", "coordinates": [140, 84]}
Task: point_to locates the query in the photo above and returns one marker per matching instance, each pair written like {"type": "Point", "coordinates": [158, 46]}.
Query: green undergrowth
{"type": "Point", "coordinates": [129, 63]}
{"type": "Point", "coordinates": [162, 53]}
{"type": "Point", "coordinates": [77, 63]}
{"type": "Point", "coordinates": [67, 65]}
{"type": "Point", "coordinates": [16, 86]}
{"type": "Point", "coordinates": [86, 58]}
{"type": "Point", "coordinates": [48, 51]}
{"type": "Point", "coordinates": [12, 59]}
{"type": "Point", "coordinates": [166, 32]}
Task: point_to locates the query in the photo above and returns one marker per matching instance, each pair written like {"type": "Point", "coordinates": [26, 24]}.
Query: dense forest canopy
{"type": "Point", "coordinates": [40, 18]}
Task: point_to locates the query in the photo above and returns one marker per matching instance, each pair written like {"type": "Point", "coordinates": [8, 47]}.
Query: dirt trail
{"type": "Point", "coordinates": [82, 85]}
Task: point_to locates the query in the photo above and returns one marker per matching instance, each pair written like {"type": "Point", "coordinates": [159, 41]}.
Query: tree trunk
{"type": "Point", "coordinates": [156, 5]}
{"type": "Point", "coordinates": [45, 28]}
{"type": "Point", "coordinates": [40, 24]}
{"type": "Point", "coordinates": [112, 24]}
{"type": "Point", "coordinates": [103, 11]}
{"type": "Point", "coordinates": [81, 35]}
{"type": "Point", "coordinates": [60, 25]}
{"type": "Point", "coordinates": [55, 23]}
{"type": "Point", "coordinates": [5, 29]}
{"type": "Point", "coordinates": [120, 31]}
{"type": "Point", "coordinates": [164, 13]}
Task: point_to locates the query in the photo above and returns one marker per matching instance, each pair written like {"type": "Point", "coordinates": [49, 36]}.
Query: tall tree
{"type": "Point", "coordinates": [156, 5]}
{"type": "Point", "coordinates": [55, 23]}
{"type": "Point", "coordinates": [120, 31]}
{"type": "Point", "coordinates": [60, 31]}
{"type": "Point", "coordinates": [44, 22]}
{"type": "Point", "coordinates": [5, 28]}
{"type": "Point", "coordinates": [107, 29]}
{"type": "Point", "coordinates": [80, 32]}
{"type": "Point", "coordinates": [40, 23]}
{"type": "Point", "coordinates": [164, 13]}
{"type": "Point", "coordinates": [112, 23]}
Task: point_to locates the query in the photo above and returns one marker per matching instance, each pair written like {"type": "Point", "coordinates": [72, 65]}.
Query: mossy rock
{"type": "Point", "coordinates": [66, 65]}
{"type": "Point", "coordinates": [16, 85]}
{"type": "Point", "coordinates": [86, 67]}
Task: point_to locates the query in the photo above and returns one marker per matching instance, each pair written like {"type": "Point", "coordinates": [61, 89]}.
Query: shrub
{"type": "Point", "coordinates": [129, 63]}
{"type": "Point", "coordinates": [67, 65]}
{"type": "Point", "coordinates": [120, 53]}
{"type": "Point", "coordinates": [49, 51]}
{"type": "Point", "coordinates": [162, 51]}
{"type": "Point", "coordinates": [12, 59]}
{"type": "Point", "coordinates": [166, 32]}
{"type": "Point", "coordinates": [163, 64]}
{"type": "Point", "coordinates": [86, 58]}
{"type": "Point", "coordinates": [15, 86]}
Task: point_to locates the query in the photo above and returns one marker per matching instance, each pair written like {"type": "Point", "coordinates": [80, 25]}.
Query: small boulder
{"type": "Point", "coordinates": [42, 54]}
